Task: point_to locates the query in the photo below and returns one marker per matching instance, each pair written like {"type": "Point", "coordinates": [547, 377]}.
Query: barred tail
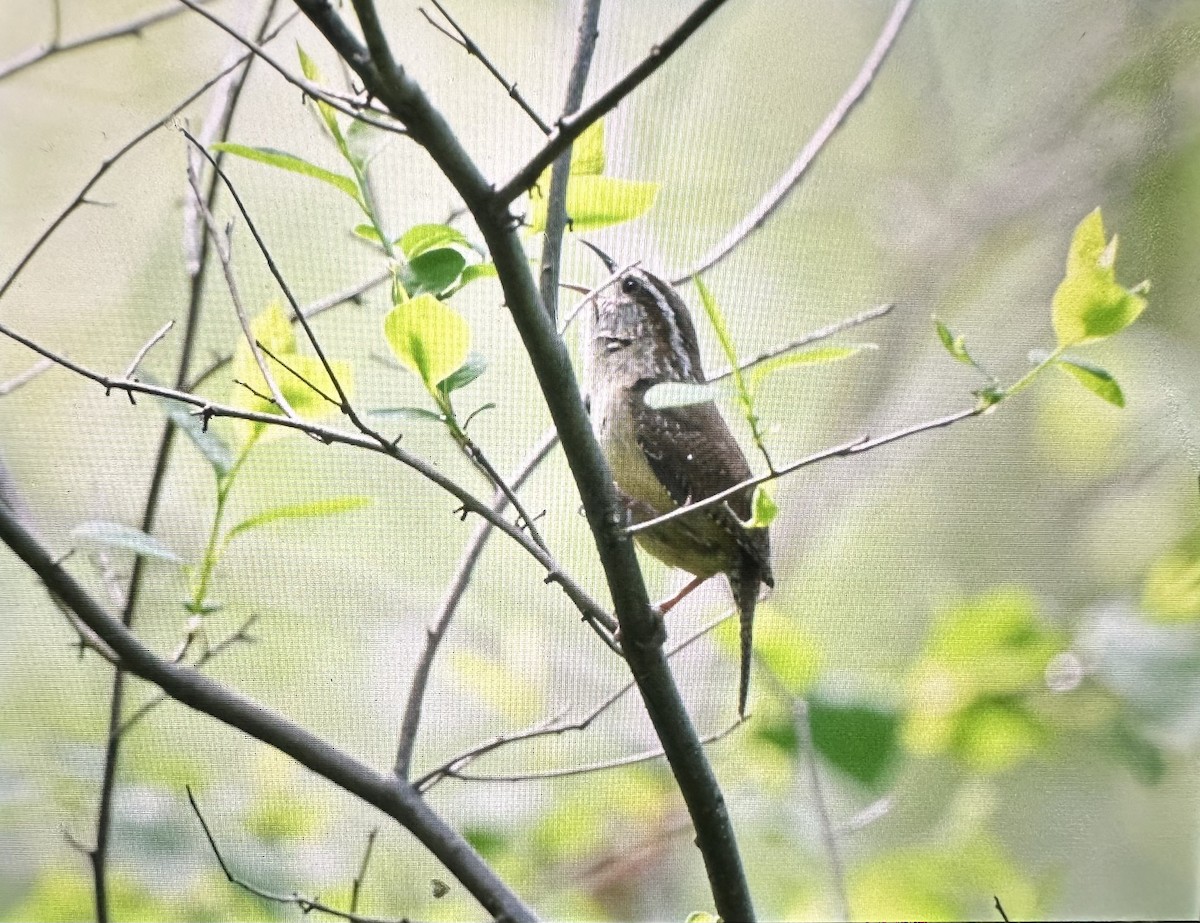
{"type": "Point", "coordinates": [745, 584]}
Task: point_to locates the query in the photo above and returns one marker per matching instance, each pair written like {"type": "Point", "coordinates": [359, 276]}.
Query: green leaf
{"type": "Point", "coordinates": [1095, 379]}
{"type": "Point", "coordinates": [368, 232]}
{"type": "Point", "coordinates": [955, 345]}
{"type": "Point", "coordinates": [327, 113]}
{"type": "Point", "coordinates": [466, 373]}
{"type": "Point", "coordinates": [702, 916]}
{"type": "Point", "coordinates": [1089, 303]}
{"type": "Point", "coordinates": [1171, 591]}
{"type": "Point", "coordinates": [434, 271]}
{"type": "Point", "coordinates": [1140, 755]}
{"type": "Point", "coordinates": [116, 535]}
{"type": "Point", "coordinates": [410, 413]}
{"type": "Point", "coordinates": [587, 153]}
{"type": "Point", "coordinates": [678, 394]}
{"type": "Point", "coordinates": [294, 164]}
{"type": "Point", "coordinates": [861, 740]}
{"type": "Point", "coordinates": [817, 356]}
{"type": "Point", "coordinates": [211, 446]}
{"type": "Point", "coordinates": [328, 507]}
{"type": "Point", "coordinates": [478, 271]}
{"type": "Point", "coordinates": [428, 337]}
{"type": "Point", "coordinates": [365, 142]}
{"type": "Point", "coordinates": [421, 238]}
{"type": "Point", "coordinates": [765, 509]}
{"type": "Point", "coordinates": [595, 202]}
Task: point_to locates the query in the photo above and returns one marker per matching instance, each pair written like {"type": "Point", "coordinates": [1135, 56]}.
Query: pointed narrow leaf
{"type": "Point", "coordinates": [466, 373]}
{"type": "Point", "coordinates": [955, 345]}
{"type": "Point", "coordinates": [818, 356]}
{"type": "Point", "coordinates": [116, 535]}
{"type": "Point", "coordinates": [294, 164]}
{"type": "Point", "coordinates": [1095, 379]}
{"type": "Point", "coordinates": [327, 113]}
{"type": "Point", "coordinates": [368, 232]}
{"type": "Point", "coordinates": [679, 394]}
{"type": "Point", "coordinates": [421, 238]}
{"type": "Point", "coordinates": [428, 337]}
{"type": "Point", "coordinates": [328, 507]}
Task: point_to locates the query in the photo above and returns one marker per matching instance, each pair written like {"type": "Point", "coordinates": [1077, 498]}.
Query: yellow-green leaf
{"type": "Point", "coordinates": [595, 202]}
{"type": "Point", "coordinates": [765, 508]}
{"type": "Point", "coordinates": [428, 337]}
{"type": "Point", "coordinates": [1171, 592]}
{"type": "Point", "coordinates": [328, 507]}
{"type": "Point", "coordinates": [1095, 379]}
{"type": "Point", "coordinates": [818, 356]}
{"type": "Point", "coordinates": [587, 153]}
{"type": "Point", "coordinates": [293, 164]}
{"type": "Point", "coordinates": [1089, 303]}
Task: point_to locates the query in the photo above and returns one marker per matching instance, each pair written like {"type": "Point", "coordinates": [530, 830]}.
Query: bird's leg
{"type": "Point", "coordinates": [671, 602]}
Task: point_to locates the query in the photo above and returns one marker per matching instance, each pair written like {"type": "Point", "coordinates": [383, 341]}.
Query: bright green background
{"type": "Point", "coordinates": [924, 591]}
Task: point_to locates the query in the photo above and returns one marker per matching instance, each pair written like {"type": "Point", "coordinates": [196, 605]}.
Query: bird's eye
{"type": "Point", "coordinates": [629, 285]}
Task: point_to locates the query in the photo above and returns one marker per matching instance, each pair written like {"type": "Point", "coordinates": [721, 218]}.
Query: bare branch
{"type": "Point", "coordinates": [305, 904]}
{"type": "Point", "coordinates": [146, 347]}
{"type": "Point", "coordinates": [469, 45]}
{"type": "Point", "coordinates": [312, 89]}
{"type": "Point", "coordinates": [854, 447]}
{"type": "Point", "coordinates": [568, 129]}
{"type": "Point", "coordinates": [24, 378]}
{"type": "Point", "coordinates": [56, 46]}
{"type": "Point", "coordinates": [556, 198]}
{"type": "Point", "coordinates": [551, 726]}
{"type": "Point", "coordinates": [837, 869]}
{"type": "Point", "coordinates": [82, 196]}
{"type": "Point", "coordinates": [786, 183]}
{"type": "Point", "coordinates": [458, 586]}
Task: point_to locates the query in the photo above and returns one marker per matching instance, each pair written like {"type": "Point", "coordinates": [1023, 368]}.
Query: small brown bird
{"type": "Point", "coordinates": [641, 335]}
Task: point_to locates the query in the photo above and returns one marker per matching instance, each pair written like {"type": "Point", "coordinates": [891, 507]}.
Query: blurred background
{"type": "Point", "coordinates": [994, 625]}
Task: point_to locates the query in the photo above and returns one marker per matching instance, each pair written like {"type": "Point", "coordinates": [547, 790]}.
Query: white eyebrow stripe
{"type": "Point", "coordinates": [678, 347]}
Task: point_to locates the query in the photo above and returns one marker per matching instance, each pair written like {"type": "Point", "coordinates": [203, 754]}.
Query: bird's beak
{"type": "Point", "coordinates": [609, 262]}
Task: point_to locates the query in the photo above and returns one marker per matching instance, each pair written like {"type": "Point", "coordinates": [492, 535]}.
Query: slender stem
{"type": "Point", "coordinates": [837, 869]}
{"type": "Point", "coordinates": [556, 200]}
{"type": "Point", "coordinates": [808, 154]}
{"type": "Point", "coordinates": [571, 128]}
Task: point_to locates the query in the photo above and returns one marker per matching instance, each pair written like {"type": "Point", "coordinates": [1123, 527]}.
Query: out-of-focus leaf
{"type": "Point", "coordinates": [1171, 590]}
{"type": "Point", "coordinates": [955, 345]}
{"type": "Point", "coordinates": [587, 153]}
{"type": "Point", "coordinates": [595, 202]}
{"type": "Point", "coordinates": [995, 735]}
{"type": "Point", "coordinates": [862, 740]}
{"type": "Point", "coordinates": [365, 142]}
{"type": "Point", "coordinates": [294, 164]}
{"type": "Point", "coordinates": [428, 337]}
{"type": "Point", "coordinates": [1095, 379]}
{"type": "Point", "coordinates": [1089, 303]}
{"type": "Point", "coordinates": [316, 508]}
{"type": "Point", "coordinates": [116, 535]}
{"type": "Point", "coordinates": [1142, 757]}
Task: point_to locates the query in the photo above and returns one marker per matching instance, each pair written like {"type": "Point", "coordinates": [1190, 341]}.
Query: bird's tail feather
{"type": "Point", "coordinates": [745, 585]}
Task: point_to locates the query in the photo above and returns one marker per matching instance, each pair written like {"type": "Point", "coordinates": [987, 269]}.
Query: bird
{"type": "Point", "coordinates": [639, 334]}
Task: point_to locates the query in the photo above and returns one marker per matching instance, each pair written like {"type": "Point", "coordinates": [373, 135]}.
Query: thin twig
{"type": "Point", "coordinates": [837, 869]}
{"type": "Point", "coordinates": [458, 586]}
{"type": "Point", "coordinates": [146, 347]}
{"type": "Point", "coordinates": [590, 296]}
{"type": "Point", "coordinates": [208, 409]}
{"type": "Point", "coordinates": [556, 197]}
{"type": "Point", "coordinates": [305, 904]}
{"type": "Point", "coordinates": [320, 393]}
{"type": "Point", "coordinates": [823, 333]}
{"type": "Point", "coordinates": [553, 727]}
{"type": "Point", "coordinates": [313, 309]}
{"type": "Point", "coordinates": [107, 164]}
{"type": "Point", "coordinates": [786, 183]}
{"type": "Point", "coordinates": [569, 129]}
{"type": "Point", "coordinates": [472, 48]}
{"type": "Point", "coordinates": [589, 767]}
{"type": "Point", "coordinates": [854, 447]}
{"type": "Point", "coordinates": [1000, 908]}
{"type": "Point", "coordinates": [56, 45]}
{"type": "Point", "coordinates": [356, 887]}
{"type": "Point", "coordinates": [240, 636]}
{"type": "Point", "coordinates": [24, 378]}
